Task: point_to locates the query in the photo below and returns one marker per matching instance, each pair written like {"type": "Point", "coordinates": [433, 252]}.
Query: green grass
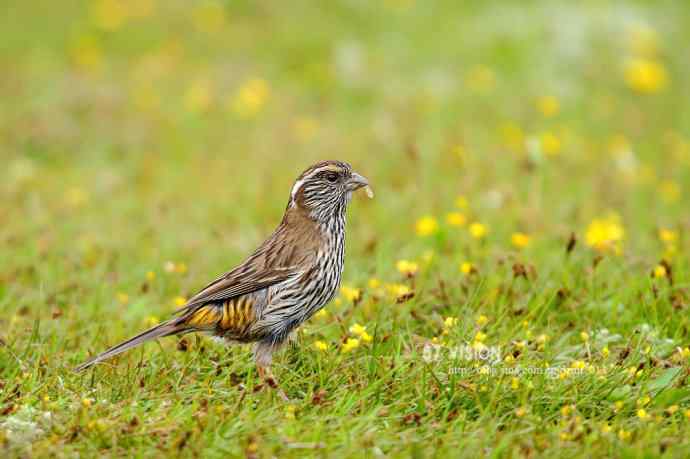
{"type": "Point", "coordinates": [132, 138]}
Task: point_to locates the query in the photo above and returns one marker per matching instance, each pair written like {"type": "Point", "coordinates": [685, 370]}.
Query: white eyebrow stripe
{"type": "Point", "coordinates": [298, 184]}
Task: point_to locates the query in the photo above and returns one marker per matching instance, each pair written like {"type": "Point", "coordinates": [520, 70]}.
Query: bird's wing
{"type": "Point", "coordinates": [236, 283]}
{"type": "Point", "coordinates": [282, 256]}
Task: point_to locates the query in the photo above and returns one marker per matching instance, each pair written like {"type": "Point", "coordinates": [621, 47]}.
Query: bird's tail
{"type": "Point", "coordinates": [170, 327]}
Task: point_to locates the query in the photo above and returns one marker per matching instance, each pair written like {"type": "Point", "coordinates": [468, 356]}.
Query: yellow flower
{"type": "Point", "coordinates": [618, 406]}
{"type": "Point", "coordinates": [584, 336]}
{"type": "Point", "coordinates": [361, 331]}
{"type": "Point", "coordinates": [482, 320]}
{"type": "Point", "coordinates": [374, 283]}
{"type": "Point", "coordinates": [250, 98]}
{"type": "Point", "coordinates": [150, 321]}
{"type": "Point", "coordinates": [605, 352]}
{"type": "Point", "coordinates": [605, 428]}
{"type": "Point", "coordinates": [290, 411]}
{"type": "Point", "coordinates": [456, 219]}
{"type": "Point", "coordinates": [150, 275]}
{"type": "Point", "coordinates": [520, 412]}
{"type": "Point", "coordinates": [350, 293]}
{"type": "Point", "coordinates": [407, 268]}
{"type": "Point", "coordinates": [320, 346]}
{"type": "Point", "coordinates": [623, 435]}
{"type": "Point", "coordinates": [179, 301]}
{"type": "Point", "coordinates": [687, 414]}
{"type": "Point", "coordinates": [668, 236]}
{"type": "Point", "coordinates": [450, 322]}
{"type": "Point", "coordinates": [398, 290]}
{"type": "Point", "coordinates": [578, 365]}
{"type": "Point", "coordinates": [479, 337]}
{"type": "Point", "coordinates": [86, 402]}
{"type": "Point", "coordinates": [122, 297]}
{"type": "Point", "coordinates": [426, 226]}
{"type": "Point", "coordinates": [642, 414]}
{"type": "Point", "coordinates": [550, 143]}
{"type": "Point", "coordinates": [321, 314]}
{"type": "Point", "coordinates": [645, 75]}
{"type": "Point", "coordinates": [477, 230]}
{"type": "Point", "coordinates": [466, 268]}
{"type": "Point", "coordinates": [520, 240]}
{"type": "Point", "coordinates": [461, 202]}
{"type": "Point", "coordinates": [514, 383]}
{"type": "Point", "coordinates": [604, 234]}
{"type": "Point", "coordinates": [357, 329]}
{"type": "Point", "coordinates": [660, 271]}
{"type": "Point", "coordinates": [566, 410]}
{"type": "Point", "coordinates": [350, 344]}
{"type": "Point", "coordinates": [548, 106]}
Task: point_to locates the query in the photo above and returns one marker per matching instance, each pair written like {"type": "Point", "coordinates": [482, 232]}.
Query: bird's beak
{"type": "Point", "coordinates": [357, 181]}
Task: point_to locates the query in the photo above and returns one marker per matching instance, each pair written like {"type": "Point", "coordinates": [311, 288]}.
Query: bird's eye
{"type": "Point", "coordinates": [332, 177]}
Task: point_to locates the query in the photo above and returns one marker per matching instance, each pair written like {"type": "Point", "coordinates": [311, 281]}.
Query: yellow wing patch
{"type": "Point", "coordinates": [237, 314]}
{"type": "Point", "coordinates": [231, 318]}
{"type": "Point", "coordinates": [205, 317]}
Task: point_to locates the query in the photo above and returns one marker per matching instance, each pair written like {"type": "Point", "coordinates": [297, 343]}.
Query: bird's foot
{"type": "Point", "coordinates": [270, 381]}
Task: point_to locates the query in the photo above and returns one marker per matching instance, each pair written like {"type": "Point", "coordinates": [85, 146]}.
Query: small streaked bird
{"type": "Point", "coordinates": [292, 275]}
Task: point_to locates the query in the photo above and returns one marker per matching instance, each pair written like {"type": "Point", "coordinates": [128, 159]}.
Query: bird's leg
{"type": "Point", "coordinates": [263, 355]}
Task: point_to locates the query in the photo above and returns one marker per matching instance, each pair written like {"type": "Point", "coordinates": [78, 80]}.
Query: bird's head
{"type": "Point", "coordinates": [325, 189]}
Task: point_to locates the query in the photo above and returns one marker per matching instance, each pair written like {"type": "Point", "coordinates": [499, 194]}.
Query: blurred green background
{"type": "Point", "coordinates": [173, 130]}
{"type": "Point", "coordinates": [141, 138]}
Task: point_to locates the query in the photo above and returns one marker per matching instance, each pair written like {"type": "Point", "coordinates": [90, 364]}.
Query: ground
{"type": "Point", "coordinates": [519, 286]}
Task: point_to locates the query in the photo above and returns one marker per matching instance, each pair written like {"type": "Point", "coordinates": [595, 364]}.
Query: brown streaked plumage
{"type": "Point", "coordinates": [293, 274]}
